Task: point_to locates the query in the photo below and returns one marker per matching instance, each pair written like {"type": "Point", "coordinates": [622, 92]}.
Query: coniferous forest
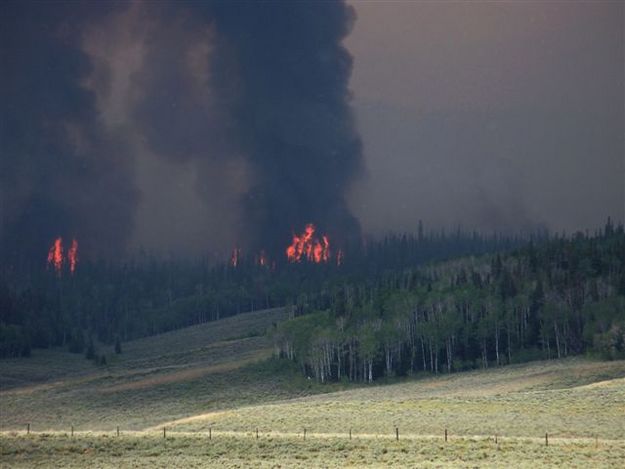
{"type": "Point", "coordinates": [433, 302]}
{"type": "Point", "coordinates": [108, 302]}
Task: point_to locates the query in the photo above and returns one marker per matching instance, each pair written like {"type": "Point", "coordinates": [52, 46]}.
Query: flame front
{"type": "Point", "coordinates": [55, 255]}
{"type": "Point", "coordinates": [306, 246]}
{"type": "Point", "coordinates": [56, 258]}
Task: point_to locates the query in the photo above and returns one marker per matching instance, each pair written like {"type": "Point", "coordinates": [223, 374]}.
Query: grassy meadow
{"type": "Point", "coordinates": [213, 366]}
{"type": "Point", "coordinates": [286, 451]}
{"type": "Point", "coordinates": [220, 378]}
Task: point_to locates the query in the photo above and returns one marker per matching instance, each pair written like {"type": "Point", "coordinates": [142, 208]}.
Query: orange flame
{"type": "Point", "coordinates": [56, 258]}
{"type": "Point", "coordinates": [55, 255]}
{"type": "Point", "coordinates": [72, 256]}
{"type": "Point", "coordinates": [306, 246]}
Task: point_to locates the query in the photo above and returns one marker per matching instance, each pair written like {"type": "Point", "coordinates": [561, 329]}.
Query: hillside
{"type": "Point", "coordinates": [212, 366]}
{"type": "Point", "coordinates": [495, 418]}
{"type": "Point", "coordinates": [569, 398]}
{"type": "Point", "coordinates": [221, 374]}
{"type": "Point", "coordinates": [219, 378]}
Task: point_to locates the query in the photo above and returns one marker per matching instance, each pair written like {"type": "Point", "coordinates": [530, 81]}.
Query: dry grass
{"type": "Point", "coordinates": [217, 376]}
{"type": "Point", "coordinates": [228, 450]}
{"type": "Point", "coordinates": [476, 403]}
{"type": "Point", "coordinates": [191, 371]}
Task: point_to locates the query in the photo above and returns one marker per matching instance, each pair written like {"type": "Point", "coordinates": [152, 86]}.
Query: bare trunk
{"type": "Point", "coordinates": [431, 358]}
{"type": "Point", "coordinates": [484, 355]}
{"type": "Point", "coordinates": [497, 344]}
{"type": "Point", "coordinates": [555, 328]}
{"type": "Point", "coordinates": [338, 357]}
{"type": "Point", "coordinates": [509, 352]}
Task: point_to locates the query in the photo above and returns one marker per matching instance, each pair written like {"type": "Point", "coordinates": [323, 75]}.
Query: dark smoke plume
{"type": "Point", "coordinates": [61, 173]}
{"type": "Point", "coordinates": [293, 114]}
{"type": "Point", "coordinates": [253, 94]}
{"type": "Point", "coordinates": [278, 74]}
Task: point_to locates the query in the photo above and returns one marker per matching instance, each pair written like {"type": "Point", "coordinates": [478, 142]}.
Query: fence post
{"type": "Point", "coordinates": [72, 432]}
{"type": "Point", "coordinates": [495, 438]}
{"type": "Point", "coordinates": [164, 432]}
{"type": "Point", "coordinates": [210, 433]}
{"type": "Point", "coordinates": [304, 433]}
{"type": "Point", "coordinates": [350, 433]}
{"type": "Point", "coordinates": [257, 433]}
{"type": "Point", "coordinates": [445, 435]}
{"type": "Point", "coordinates": [117, 430]}
{"type": "Point", "coordinates": [546, 439]}
{"type": "Point", "coordinates": [28, 428]}
{"type": "Point", "coordinates": [397, 433]}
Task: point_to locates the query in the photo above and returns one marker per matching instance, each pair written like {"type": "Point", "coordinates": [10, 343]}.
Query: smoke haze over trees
{"type": "Point", "coordinates": [45, 307]}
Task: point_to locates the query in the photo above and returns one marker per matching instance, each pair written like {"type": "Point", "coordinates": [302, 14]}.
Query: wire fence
{"type": "Point", "coordinates": [444, 436]}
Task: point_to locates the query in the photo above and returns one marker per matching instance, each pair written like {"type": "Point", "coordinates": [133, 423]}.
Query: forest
{"type": "Point", "coordinates": [433, 302]}
{"type": "Point", "coordinates": [111, 302]}
{"type": "Point", "coordinates": [549, 299]}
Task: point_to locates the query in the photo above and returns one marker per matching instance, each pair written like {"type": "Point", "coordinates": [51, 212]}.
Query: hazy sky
{"type": "Point", "coordinates": [495, 115]}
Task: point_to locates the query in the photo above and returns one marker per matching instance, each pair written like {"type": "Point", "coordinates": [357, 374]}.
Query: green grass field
{"type": "Point", "coordinates": [220, 377]}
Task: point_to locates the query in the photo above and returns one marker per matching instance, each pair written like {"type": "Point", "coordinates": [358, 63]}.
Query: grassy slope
{"type": "Point", "coordinates": [193, 370]}
{"type": "Point", "coordinates": [568, 398]}
{"type": "Point", "coordinates": [215, 376]}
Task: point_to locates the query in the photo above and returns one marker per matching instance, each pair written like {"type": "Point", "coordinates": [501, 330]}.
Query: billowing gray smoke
{"type": "Point", "coordinates": [279, 79]}
{"type": "Point", "coordinates": [272, 93]}
{"type": "Point", "coordinates": [61, 173]}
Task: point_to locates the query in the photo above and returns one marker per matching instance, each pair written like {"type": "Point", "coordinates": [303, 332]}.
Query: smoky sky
{"type": "Point", "coordinates": [491, 115]}
{"type": "Point", "coordinates": [61, 172]}
{"type": "Point", "coordinates": [188, 127]}
{"type": "Point", "coordinates": [246, 101]}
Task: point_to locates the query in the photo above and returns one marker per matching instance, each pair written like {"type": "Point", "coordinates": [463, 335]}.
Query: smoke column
{"type": "Point", "coordinates": [278, 78]}
{"type": "Point", "coordinates": [293, 114]}
{"type": "Point", "coordinates": [61, 173]}
{"type": "Point", "coordinates": [253, 94]}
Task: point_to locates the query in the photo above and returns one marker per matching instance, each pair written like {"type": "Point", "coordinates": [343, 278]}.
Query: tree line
{"type": "Point", "coordinates": [109, 302]}
{"type": "Point", "coordinates": [556, 298]}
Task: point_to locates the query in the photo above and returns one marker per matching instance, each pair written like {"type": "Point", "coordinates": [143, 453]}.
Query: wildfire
{"type": "Point", "coordinates": [56, 258]}
{"type": "Point", "coordinates": [307, 246]}
{"type": "Point", "coordinates": [55, 255]}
